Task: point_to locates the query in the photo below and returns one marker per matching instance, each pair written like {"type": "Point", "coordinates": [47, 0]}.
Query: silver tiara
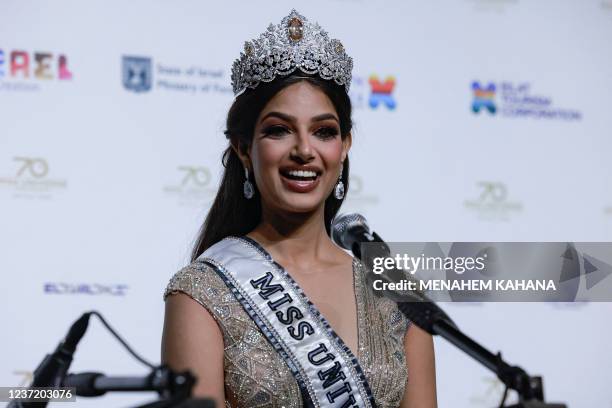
{"type": "Point", "coordinates": [282, 48]}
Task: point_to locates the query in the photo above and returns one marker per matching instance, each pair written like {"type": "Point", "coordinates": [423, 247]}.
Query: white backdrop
{"type": "Point", "coordinates": [104, 184]}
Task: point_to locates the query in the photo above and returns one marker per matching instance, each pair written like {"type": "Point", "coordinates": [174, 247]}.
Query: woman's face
{"type": "Point", "coordinates": [297, 149]}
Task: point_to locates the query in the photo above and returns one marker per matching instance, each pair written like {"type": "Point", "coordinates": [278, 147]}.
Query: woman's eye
{"type": "Point", "coordinates": [327, 132]}
{"type": "Point", "coordinates": [275, 130]}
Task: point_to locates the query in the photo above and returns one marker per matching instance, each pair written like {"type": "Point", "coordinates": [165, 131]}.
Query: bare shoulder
{"type": "Point", "coordinates": [187, 327]}
{"type": "Point", "coordinates": [420, 359]}
{"type": "Point", "coordinates": [190, 298]}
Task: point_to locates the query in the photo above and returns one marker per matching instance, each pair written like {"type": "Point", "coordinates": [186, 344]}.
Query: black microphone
{"type": "Point", "coordinates": [52, 370]}
{"type": "Point", "coordinates": [349, 231]}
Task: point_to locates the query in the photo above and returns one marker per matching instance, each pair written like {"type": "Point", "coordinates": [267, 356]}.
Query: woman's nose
{"type": "Point", "coordinates": [303, 149]}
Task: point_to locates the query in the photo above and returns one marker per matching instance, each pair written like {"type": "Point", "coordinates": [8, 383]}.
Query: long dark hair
{"type": "Point", "coordinates": [231, 213]}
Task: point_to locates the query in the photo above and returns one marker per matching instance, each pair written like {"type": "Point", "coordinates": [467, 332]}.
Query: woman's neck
{"type": "Point", "coordinates": [294, 239]}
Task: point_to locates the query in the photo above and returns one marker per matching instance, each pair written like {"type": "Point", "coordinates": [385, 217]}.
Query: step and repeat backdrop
{"type": "Point", "coordinates": [475, 120]}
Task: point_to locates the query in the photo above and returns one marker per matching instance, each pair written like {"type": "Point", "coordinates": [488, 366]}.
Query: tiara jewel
{"type": "Point", "coordinates": [283, 48]}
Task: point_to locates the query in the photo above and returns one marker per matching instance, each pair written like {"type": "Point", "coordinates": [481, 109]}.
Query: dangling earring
{"type": "Point", "coordinates": [247, 188]}
{"type": "Point", "coordinates": [339, 190]}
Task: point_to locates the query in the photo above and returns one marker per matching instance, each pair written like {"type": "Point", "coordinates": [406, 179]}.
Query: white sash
{"type": "Point", "coordinates": [327, 372]}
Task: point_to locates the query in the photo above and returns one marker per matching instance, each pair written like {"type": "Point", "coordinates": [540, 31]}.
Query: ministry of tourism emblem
{"type": "Point", "coordinates": [137, 73]}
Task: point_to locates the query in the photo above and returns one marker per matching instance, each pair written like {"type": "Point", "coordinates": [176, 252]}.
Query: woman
{"type": "Point", "coordinates": [271, 312]}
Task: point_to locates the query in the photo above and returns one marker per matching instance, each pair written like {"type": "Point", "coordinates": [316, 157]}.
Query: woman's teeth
{"type": "Point", "coordinates": [300, 181]}
{"type": "Point", "coordinates": [302, 173]}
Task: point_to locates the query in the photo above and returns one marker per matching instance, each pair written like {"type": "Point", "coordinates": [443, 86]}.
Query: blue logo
{"type": "Point", "coordinates": [137, 74]}
{"type": "Point", "coordinates": [63, 288]}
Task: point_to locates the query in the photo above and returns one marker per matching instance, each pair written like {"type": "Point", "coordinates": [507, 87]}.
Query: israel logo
{"type": "Point", "coordinates": [137, 74]}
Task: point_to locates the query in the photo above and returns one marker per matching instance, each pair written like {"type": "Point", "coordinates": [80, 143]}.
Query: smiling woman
{"type": "Point", "coordinates": [271, 312]}
{"type": "Point", "coordinates": [297, 148]}
{"type": "Point", "coordinates": [268, 117]}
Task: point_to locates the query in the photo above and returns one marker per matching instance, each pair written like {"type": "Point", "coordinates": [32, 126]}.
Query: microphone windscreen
{"type": "Point", "coordinates": [343, 224]}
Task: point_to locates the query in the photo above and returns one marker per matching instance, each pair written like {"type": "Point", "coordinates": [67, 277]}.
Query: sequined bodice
{"type": "Point", "coordinates": [256, 376]}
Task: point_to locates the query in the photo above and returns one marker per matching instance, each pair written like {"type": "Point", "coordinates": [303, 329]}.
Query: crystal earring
{"type": "Point", "coordinates": [247, 188]}
{"type": "Point", "coordinates": [339, 190]}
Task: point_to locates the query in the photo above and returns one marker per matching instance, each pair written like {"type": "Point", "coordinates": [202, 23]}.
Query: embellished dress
{"type": "Point", "coordinates": [255, 375]}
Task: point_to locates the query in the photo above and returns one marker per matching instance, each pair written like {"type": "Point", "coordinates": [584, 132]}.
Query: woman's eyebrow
{"type": "Point", "coordinates": [292, 119]}
{"type": "Point", "coordinates": [279, 115]}
{"type": "Point", "coordinates": [324, 116]}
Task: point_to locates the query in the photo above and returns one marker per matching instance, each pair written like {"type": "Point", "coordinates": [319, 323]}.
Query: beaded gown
{"type": "Point", "coordinates": [256, 376]}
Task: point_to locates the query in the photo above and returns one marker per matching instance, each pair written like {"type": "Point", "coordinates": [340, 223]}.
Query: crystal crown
{"type": "Point", "coordinates": [283, 48]}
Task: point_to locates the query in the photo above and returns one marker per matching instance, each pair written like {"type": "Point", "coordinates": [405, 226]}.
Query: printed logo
{"type": "Point", "coordinates": [197, 176]}
{"type": "Point", "coordinates": [515, 100]}
{"type": "Point", "coordinates": [493, 202]}
{"type": "Point", "coordinates": [357, 197]}
{"type": "Point", "coordinates": [483, 97]}
{"type": "Point", "coordinates": [382, 92]}
{"type": "Point", "coordinates": [26, 71]}
{"type": "Point", "coordinates": [64, 288]}
{"type": "Point", "coordinates": [31, 179]}
{"type": "Point", "coordinates": [193, 186]}
{"type": "Point", "coordinates": [357, 92]}
{"type": "Point", "coordinates": [35, 167]}
{"type": "Point", "coordinates": [371, 92]}
{"type": "Point", "coordinates": [137, 74]}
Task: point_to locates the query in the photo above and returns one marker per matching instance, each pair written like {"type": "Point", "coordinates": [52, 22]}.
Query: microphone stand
{"type": "Point", "coordinates": [530, 389]}
{"type": "Point", "coordinates": [174, 388]}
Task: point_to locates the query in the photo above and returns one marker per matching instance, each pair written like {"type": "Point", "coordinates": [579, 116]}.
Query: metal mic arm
{"type": "Point", "coordinates": [431, 319]}
{"type": "Point", "coordinates": [530, 389]}
{"type": "Point", "coordinates": [173, 387]}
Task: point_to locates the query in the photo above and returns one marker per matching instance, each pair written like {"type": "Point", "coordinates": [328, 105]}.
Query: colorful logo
{"type": "Point", "coordinates": [381, 92]}
{"type": "Point", "coordinates": [484, 97]}
{"type": "Point", "coordinates": [137, 74]}
{"type": "Point", "coordinates": [43, 65]}
{"type": "Point", "coordinates": [510, 99]}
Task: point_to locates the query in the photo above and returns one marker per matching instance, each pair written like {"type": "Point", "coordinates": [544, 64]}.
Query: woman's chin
{"type": "Point", "coordinates": [301, 203]}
